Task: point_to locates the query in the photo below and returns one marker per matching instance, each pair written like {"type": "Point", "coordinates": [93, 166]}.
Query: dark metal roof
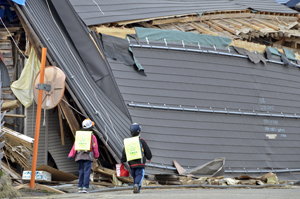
{"type": "Point", "coordinates": [109, 118]}
{"type": "Point", "coordinates": [178, 82]}
{"type": "Point", "coordinates": [265, 5]}
{"type": "Point", "coordinates": [101, 11]}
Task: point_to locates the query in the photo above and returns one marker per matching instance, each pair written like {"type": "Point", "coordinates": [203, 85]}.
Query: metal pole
{"type": "Point", "coordinates": [38, 119]}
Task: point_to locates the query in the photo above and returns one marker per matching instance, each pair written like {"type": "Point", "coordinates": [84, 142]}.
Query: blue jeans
{"type": "Point", "coordinates": [138, 175]}
{"type": "Point", "coordinates": [84, 170]}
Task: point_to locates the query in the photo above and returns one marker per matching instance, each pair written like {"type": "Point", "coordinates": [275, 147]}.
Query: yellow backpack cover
{"type": "Point", "coordinates": [83, 140]}
{"type": "Point", "coordinates": [132, 148]}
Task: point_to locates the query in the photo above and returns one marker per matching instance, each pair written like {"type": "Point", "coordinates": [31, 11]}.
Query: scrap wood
{"type": "Point", "coordinates": [69, 115]}
{"type": "Point", "coordinates": [40, 187]}
{"type": "Point", "coordinates": [270, 178]}
{"type": "Point", "coordinates": [116, 32]}
{"type": "Point", "coordinates": [178, 167]}
{"type": "Point", "coordinates": [14, 155]}
{"type": "Point", "coordinates": [18, 137]}
{"type": "Point", "coordinates": [110, 173]}
{"type": "Point", "coordinates": [11, 172]}
{"type": "Point", "coordinates": [15, 151]}
{"type": "Point", "coordinates": [6, 106]}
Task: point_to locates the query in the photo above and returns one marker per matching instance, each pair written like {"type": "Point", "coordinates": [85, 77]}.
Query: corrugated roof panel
{"type": "Point", "coordinates": [101, 109]}
{"type": "Point", "coordinates": [30, 131]}
{"type": "Point", "coordinates": [212, 82]}
{"type": "Point", "coordinates": [101, 11]}
{"type": "Point", "coordinates": [58, 151]}
{"type": "Point", "coordinates": [265, 5]}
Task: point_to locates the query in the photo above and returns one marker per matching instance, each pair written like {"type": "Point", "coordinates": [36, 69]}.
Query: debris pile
{"type": "Point", "coordinates": [18, 147]}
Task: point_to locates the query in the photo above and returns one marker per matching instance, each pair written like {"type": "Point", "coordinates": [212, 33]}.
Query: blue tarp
{"type": "Point", "coordinates": [20, 2]}
{"type": "Point", "coordinates": [292, 3]}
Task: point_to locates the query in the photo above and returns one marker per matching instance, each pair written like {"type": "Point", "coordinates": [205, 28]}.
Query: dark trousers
{"type": "Point", "coordinates": [138, 176]}
{"type": "Point", "coordinates": [84, 170]}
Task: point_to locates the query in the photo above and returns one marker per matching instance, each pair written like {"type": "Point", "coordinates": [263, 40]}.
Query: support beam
{"type": "Point", "coordinates": [68, 113]}
{"type": "Point", "coordinates": [205, 29]}
{"type": "Point", "coordinates": [62, 134]}
{"type": "Point", "coordinates": [247, 24]}
{"type": "Point", "coordinates": [232, 23]}
{"type": "Point", "coordinates": [199, 29]}
{"type": "Point", "coordinates": [213, 26]}
{"type": "Point", "coordinates": [267, 24]}
{"type": "Point", "coordinates": [232, 31]}
{"type": "Point", "coordinates": [254, 23]}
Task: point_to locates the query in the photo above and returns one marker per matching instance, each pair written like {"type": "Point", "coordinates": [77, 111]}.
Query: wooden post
{"type": "Point", "coordinates": [38, 119]}
{"type": "Point", "coordinates": [62, 134]}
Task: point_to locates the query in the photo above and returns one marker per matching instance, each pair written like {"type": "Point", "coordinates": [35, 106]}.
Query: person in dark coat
{"type": "Point", "coordinates": [137, 166]}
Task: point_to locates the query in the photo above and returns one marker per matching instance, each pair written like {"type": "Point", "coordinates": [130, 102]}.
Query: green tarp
{"type": "Point", "coordinates": [172, 36]}
{"type": "Point", "coordinates": [274, 51]}
{"type": "Point", "coordinates": [290, 54]}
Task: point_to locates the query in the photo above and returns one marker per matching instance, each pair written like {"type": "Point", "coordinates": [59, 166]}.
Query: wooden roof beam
{"type": "Point", "coordinates": [257, 24]}
{"type": "Point", "coordinates": [214, 26]}
{"type": "Point", "coordinates": [267, 24]}
{"type": "Point", "coordinates": [199, 29]}
{"type": "Point", "coordinates": [175, 20]}
{"type": "Point", "coordinates": [205, 29]}
{"type": "Point", "coordinates": [178, 27]}
{"type": "Point", "coordinates": [232, 31]}
{"type": "Point", "coordinates": [232, 23]}
{"type": "Point", "coordinates": [247, 24]}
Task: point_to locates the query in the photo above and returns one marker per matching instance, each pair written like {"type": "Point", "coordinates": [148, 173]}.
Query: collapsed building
{"type": "Point", "coordinates": [205, 80]}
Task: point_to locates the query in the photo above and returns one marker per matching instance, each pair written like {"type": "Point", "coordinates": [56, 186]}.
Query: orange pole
{"type": "Point", "coordinates": [38, 119]}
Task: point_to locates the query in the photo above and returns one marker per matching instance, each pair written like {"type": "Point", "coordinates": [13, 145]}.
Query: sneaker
{"type": "Point", "coordinates": [84, 190]}
{"type": "Point", "coordinates": [136, 188]}
{"type": "Point", "coordinates": [79, 189]}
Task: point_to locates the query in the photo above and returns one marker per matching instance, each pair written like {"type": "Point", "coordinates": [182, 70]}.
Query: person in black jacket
{"type": "Point", "coordinates": [137, 166]}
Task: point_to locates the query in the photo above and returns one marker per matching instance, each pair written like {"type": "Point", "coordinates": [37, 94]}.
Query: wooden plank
{"type": "Point", "coordinates": [62, 134]}
{"type": "Point", "coordinates": [110, 173]}
{"type": "Point", "coordinates": [225, 27]}
{"type": "Point", "coordinates": [175, 20]}
{"type": "Point", "coordinates": [267, 24]}
{"type": "Point", "coordinates": [178, 167]}
{"type": "Point", "coordinates": [178, 27]}
{"type": "Point", "coordinates": [116, 32]}
{"type": "Point", "coordinates": [247, 24]}
{"type": "Point", "coordinates": [199, 29]}
{"type": "Point", "coordinates": [225, 16]}
{"type": "Point", "coordinates": [257, 24]}
{"type": "Point", "coordinates": [6, 106]}
{"type": "Point", "coordinates": [213, 26]}
{"type": "Point", "coordinates": [147, 25]}
{"type": "Point", "coordinates": [14, 115]}
{"type": "Point", "coordinates": [68, 113]}
{"type": "Point", "coordinates": [205, 29]}
{"type": "Point", "coordinates": [232, 23]}
{"type": "Point", "coordinates": [18, 137]}
{"type": "Point", "coordinates": [40, 187]}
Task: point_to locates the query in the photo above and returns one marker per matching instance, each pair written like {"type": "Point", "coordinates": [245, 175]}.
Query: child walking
{"type": "Point", "coordinates": [85, 149]}
{"type": "Point", "coordinates": [135, 152]}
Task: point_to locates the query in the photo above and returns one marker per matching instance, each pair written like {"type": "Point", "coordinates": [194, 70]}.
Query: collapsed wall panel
{"type": "Point", "coordinates": [178, 100]}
